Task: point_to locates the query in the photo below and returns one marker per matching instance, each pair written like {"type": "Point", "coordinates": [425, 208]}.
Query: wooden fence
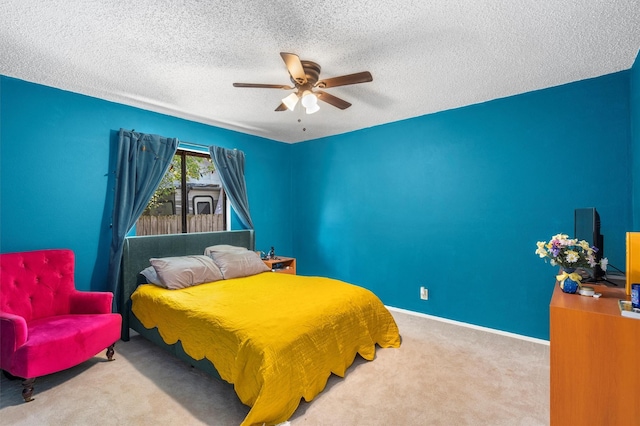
{"type": "Point", "coordinates": [158, 225]}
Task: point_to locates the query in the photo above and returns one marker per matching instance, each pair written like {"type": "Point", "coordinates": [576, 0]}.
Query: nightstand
{"type": "Point", "coordinates": [284, 265]}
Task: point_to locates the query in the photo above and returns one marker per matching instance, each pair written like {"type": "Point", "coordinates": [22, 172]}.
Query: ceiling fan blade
{"type": "Point", "coordinates": [282, 107]}
{"type": "Point", "coordinates": [330, 99]}
{"type": "Point", "coordinates": [359, 77]}
{"type": "Point", "coordinates": [263, 86]}
{"type": "Point", "coordinates": [294, 66]}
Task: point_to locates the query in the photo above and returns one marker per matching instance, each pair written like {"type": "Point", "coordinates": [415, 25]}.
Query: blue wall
{"type": "Point", "coordinates": [55, 154]}
{"type": "Point", "coordinates": [456, 201]}
{"type": "Point", "coordinates": [635, 141]}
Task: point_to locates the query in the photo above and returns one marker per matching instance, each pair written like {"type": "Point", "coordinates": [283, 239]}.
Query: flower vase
{"type": "Point", "coordinates": [567, 283]}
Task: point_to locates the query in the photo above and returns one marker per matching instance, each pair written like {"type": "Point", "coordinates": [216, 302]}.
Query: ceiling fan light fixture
{"type": "Point", "coordinates": [309, 99]}
{"type": "Point", "coordinates": [313, 108]}
{"type": "Point", "coordinates": [291, 101]}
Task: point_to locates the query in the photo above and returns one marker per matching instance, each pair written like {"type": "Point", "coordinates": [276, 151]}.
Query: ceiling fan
{"type": "Point", "coordinates": [305, 77]}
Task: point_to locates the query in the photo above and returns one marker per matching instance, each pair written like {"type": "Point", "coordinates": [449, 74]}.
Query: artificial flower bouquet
{"type": "Point", "coordinates": [570, 254]}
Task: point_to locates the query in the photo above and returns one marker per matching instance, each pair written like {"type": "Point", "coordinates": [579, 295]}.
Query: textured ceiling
{"type": "Point", "coordinates": [181, 57]}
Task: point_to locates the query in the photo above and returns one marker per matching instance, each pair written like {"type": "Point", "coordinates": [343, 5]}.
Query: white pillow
{"type": "Point", "coordinates": [185, 271]}
{"type": "Point", "coordinates": [223, 248]}
{"type": "Point", "coordinates": [239, 264]}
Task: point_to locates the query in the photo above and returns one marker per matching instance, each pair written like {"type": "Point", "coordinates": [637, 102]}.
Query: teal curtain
{"type": "Point", "coordinates": [230, 166]}
{"type": "Point", "coordinates": [141, 163]}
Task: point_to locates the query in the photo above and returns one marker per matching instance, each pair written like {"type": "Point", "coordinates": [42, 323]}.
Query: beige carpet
{"type": "Point", "coordinates": [443, 374]}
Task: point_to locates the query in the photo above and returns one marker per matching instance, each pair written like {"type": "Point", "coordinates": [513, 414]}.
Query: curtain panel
{"type": "Point", "coordinates": [230, 166]}
{"type": "Point", "coordinates": [142, 161]}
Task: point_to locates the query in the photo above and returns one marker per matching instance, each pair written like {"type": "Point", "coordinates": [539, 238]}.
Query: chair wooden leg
{"type": "Point", "coordinates": [27, 389]}
{"type": "Point", "coordinates": [110, 352]}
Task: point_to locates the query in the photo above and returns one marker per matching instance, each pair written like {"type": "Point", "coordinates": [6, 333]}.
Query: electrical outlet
{"type": "Point", "coordinates": [424, 293]}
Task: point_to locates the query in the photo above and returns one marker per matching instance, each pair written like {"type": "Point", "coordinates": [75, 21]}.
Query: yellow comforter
{"type": "Point", "coordinates": [275, 337]}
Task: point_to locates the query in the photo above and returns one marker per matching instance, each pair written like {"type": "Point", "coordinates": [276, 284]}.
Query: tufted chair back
{"type": "Point", "coordinates": [36, 284]}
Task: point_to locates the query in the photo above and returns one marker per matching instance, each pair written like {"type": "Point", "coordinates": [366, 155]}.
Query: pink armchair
{"type": "Point", "coordinates": [46, 325]}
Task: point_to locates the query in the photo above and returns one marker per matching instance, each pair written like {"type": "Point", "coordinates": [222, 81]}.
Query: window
{"type": "Point", "coordinates": [191, 177]}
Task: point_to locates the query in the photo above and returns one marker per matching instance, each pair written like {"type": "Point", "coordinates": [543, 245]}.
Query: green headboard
{"type": "Point", "coordinates": [138, 250]}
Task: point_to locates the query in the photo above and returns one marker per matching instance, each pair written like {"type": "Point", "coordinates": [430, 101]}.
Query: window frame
{"type": "Point", "coordinates": [183, 153]}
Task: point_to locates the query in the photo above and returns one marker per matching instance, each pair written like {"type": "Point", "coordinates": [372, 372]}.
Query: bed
{"type": "Point", "coordinates": [276, 337]}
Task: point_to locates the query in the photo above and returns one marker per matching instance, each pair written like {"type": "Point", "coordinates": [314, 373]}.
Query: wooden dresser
{"type": "Point", "coordinates": [595, 360]}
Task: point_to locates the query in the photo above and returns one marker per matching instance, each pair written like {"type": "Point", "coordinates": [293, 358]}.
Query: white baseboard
{"type": "Point", "coordinates": [475, 327]}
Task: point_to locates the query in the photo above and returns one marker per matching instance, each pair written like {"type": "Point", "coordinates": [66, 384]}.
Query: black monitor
{"type": "Point", "coordinates": [587, 227]}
